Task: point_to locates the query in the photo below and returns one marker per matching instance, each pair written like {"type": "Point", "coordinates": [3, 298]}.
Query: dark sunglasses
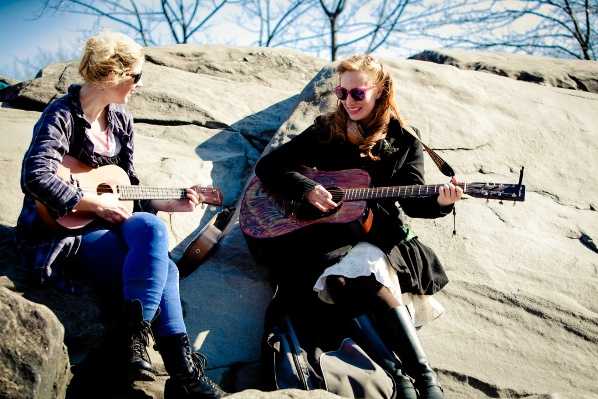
{"type": "Point", "coordinates": [358, 93]}
{"type": "Point", "coordinates": [136, 77]}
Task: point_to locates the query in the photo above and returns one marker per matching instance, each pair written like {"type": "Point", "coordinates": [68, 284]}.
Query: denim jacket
{"type": "Point", "coordinates": [61, 130]}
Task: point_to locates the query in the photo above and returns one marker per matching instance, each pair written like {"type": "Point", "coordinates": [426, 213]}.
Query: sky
{"type": "Point", "coordinates": [17, 18]}
{"type": "Point", "coordinates": [26, 35]}
{"type": "Point", "coordinates": [23, 34]}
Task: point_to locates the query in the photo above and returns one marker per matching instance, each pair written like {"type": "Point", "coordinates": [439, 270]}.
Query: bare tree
{"type": "Point", "coordinates": [183, 18]}
{"type": "Point", "coordinates": [278, 21]}
{"type": "Point", "coordinates": [551, 27]}
{"type": "Point", "coordinates": [374, 28]}
{"type": "Point", "coordinates": [333, 13]}
{"type": "Point", "coordinates": [315, 25]}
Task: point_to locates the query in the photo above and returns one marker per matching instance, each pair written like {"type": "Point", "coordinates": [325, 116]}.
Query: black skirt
{"type": "Point", "coordinates": [418, 268]}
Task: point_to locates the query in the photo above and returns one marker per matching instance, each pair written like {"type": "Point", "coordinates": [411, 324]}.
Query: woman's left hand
{"type": "Point", "coordinates": [183, 205]}
{"type": "Point", "coordinates": [450, 193]}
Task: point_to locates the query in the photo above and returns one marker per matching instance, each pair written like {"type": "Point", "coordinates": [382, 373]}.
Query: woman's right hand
{"type": "Point", "coordinates": [321, 198]}
{"type": "Point", "coordinates": [105, 206]}
{"type": "Point", "coordinates": [113, 213]}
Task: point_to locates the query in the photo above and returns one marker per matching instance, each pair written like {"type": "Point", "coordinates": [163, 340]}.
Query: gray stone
{"type": "Point", "coordinates": [558, 72]}
{"type": "Point", "coordinates": [521, 315]}
{"type": "Point", "coordinates": [224, 303]}
{"type": "Point", "coordinates": [284, 394]}
{"type": "Point", "coordinates": [33, 361]}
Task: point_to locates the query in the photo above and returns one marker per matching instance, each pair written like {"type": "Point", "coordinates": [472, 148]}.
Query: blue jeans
{"type": "Point", "coordinates": [133, 258]}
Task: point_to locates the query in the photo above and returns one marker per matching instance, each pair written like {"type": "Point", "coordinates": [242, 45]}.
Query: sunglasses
{"type": "Point", "coordinates": [136, 77]}
{"type": "Point", "coordinates": [358, 93]}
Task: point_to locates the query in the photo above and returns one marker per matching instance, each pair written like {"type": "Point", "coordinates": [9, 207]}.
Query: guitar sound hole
{"type": "Point", "coordinates": [104, 189]}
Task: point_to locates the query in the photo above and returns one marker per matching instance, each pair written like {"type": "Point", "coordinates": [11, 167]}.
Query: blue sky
{"type": "Point", "coordinates": [22, 34]}
{"type": "Point", "coordinates": [21, 31]}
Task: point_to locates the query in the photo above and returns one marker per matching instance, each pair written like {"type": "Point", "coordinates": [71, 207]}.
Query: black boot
{"type": "Point", "coordinates": [186, 369]}
{"type": "Point", "coordinates": [405, 343]}
{"type": "Point", "coordinates": [138, 331]}
{"type": "Point", "coordinates": [403, 386]}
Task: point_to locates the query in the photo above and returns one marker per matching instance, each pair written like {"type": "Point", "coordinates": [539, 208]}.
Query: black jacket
{"type": "Point", "coordinates": [401, 163]}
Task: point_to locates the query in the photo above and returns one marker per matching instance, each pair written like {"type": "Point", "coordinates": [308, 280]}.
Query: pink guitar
{"type": "Point", "coordinates": [264, 216]}
{"type": "Point", "coordinates": [112, 182]}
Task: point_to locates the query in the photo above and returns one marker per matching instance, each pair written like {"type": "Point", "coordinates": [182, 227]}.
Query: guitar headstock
{"type": "Point", "coordinates": [210, 195]}
{"type": "Point", "coordinates": [497, 191]}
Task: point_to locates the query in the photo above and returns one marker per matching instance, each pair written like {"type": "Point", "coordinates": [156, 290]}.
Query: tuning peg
{"type": "Point", "coordinates": [500, 202]}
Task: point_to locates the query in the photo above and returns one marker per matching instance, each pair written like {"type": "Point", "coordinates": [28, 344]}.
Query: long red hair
{"type": "Point", "coordinates": [376, 124]}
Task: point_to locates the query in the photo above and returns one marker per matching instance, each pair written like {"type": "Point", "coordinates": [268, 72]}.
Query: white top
{"type": "Point", "coordinates": [104, 143]}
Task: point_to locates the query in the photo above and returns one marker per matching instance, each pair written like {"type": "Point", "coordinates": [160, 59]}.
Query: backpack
{"type": "Point", "coordinates": [300, 350]}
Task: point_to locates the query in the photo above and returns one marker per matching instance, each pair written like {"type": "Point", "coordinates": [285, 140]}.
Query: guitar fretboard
{"type": "Point", "coordinates": [394, 192]}
{"type": "Point", "coordinates": [147, 192]}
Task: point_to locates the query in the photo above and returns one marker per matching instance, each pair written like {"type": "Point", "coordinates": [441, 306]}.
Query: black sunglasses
{"type": "Point", "coordinates": [358, 93]}
{"type": "Point", "coordinates": [136, 77]}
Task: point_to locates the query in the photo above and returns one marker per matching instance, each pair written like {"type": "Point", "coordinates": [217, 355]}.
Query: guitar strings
{"type": "Point", "coordinates": [103, 190]}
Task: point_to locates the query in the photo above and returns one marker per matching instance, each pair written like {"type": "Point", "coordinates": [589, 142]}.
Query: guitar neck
{"type": "Point", "coordinates": [394, 192]}
{"type": "Point", "coordinates": [130, 193]}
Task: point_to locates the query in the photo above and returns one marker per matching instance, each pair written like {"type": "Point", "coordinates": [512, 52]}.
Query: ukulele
{"type": "Point", "coordinates": [266, 216]}
{"type": "Point", "coordinates": [112, 183]}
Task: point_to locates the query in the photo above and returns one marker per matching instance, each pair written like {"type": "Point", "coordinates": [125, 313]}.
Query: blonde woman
{"type": "Point", "coordinates": [124, 254]}
{"type": "Point", "coordinates": [366, 131]}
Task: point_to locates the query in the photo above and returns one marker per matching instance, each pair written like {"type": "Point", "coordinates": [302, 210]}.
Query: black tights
{"type": "Point", "coordinates": [360, 295]}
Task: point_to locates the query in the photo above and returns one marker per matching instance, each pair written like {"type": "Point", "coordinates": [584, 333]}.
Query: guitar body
{"type": "Point", "coordinates": [263, 215]}
{"type": "Point", "coordinates": [79, 174]}
{"type": "Point", "coordinates": [275, 231]}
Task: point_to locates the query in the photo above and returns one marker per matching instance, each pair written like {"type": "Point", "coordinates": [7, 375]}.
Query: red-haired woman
{"type": "Point", "coordinates": [388, 273]}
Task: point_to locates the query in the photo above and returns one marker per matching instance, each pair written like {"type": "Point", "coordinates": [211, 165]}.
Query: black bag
{"type": "Point", "coordinates": [290, 367]}
{"type": "Point", "coordinates": [306, 347]}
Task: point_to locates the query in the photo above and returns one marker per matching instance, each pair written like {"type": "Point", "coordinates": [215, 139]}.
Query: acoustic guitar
{"type": "Point", "coordinates": [266, 216]}
{"type": "Point", "coordinates": [113, 184]}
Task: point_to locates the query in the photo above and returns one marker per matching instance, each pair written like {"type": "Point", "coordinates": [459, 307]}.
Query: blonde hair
{"type": "Point", "coordinates": [384, 109]}
{"type": "Point", "coordinates": [108, 57]}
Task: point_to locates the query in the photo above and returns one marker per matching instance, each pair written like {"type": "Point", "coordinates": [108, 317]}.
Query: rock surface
{"type": "Point", "coordinates": [558, 72]}
{"type": "Point", "coordinates": [521, 315]}
{"type": "Point", "coordinates": [33, 360]}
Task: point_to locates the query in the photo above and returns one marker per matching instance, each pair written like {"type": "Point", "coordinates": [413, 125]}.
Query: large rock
{"type": "Point", "coordinates": [521, 314]}
{"type": "Point", "coordinates": [521, 319]}
{"type": "Point", "coordinates": [284, 394]}
{"type": "Point", "coordinates": [33, 361]}
{"type": "Point", "coordinates": [224, 303]}
{"type": "Point", "coordinates": [558, 72]}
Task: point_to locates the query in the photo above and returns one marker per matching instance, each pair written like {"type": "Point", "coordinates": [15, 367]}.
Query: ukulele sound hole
{"type": "Point", "coordinates": [104, 189]}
